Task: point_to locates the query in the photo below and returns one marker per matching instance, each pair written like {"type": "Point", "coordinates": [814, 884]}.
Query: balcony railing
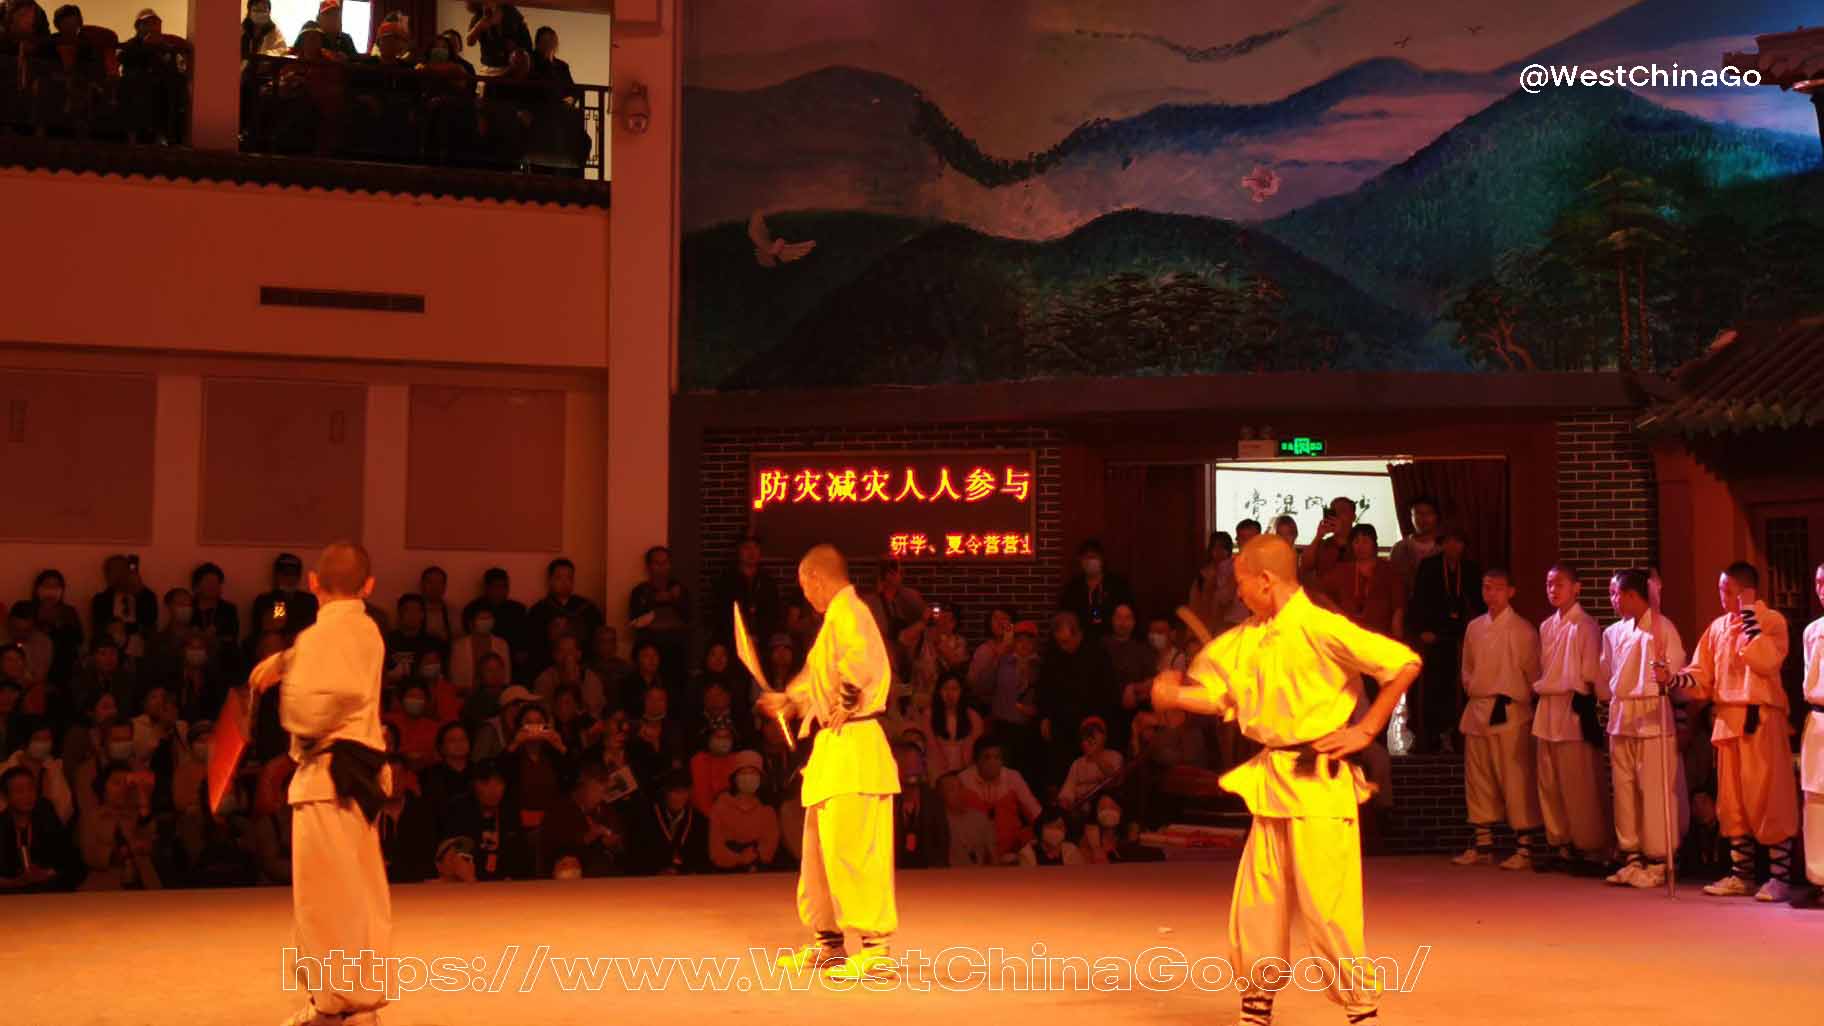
{"type": "Point", "coordinates": [146, 101]}
{"type": "Point", "coordinates": [435, 116]}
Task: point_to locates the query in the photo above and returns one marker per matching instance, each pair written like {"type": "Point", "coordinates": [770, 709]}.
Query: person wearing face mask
{"type": "Point", "coordinates": [115, 751]}
{"type": "Point", "coordinates": [480, 640]}
{"type": "Point", "coordinates": [57, 620]}
{"type": "Point", "coordinates": [38, 757]}
{"type": "Point", "coordinates": [509, 614]}
{"type": "Point", "coordinates": [743, 830]}
{"type": "Point", "coordinates": [200, 686]}
{"type": "Point", "coordinates": [1048, 847]}
{"type": "Point", "coordinates": [1093, 593]}
{"type": "Point", "coordinates": [417, 721]}
{"type": "Point", "coordinates": [165, 646]}
{"type": "Point", "coordinates": [709, 768]}
{"type": "Point", "coordinates": [446, 698]}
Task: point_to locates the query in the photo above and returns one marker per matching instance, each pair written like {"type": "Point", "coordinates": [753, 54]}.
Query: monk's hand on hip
{"type": "Point", "coordinates": [1343, 743]}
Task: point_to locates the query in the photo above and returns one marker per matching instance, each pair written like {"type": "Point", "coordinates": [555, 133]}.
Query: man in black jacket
{"type": "Point", "coordinates": [1076, 680]}
{"type": "Point", "coordinates": [126, 599]}
{"type": "Point", "coordinates": [1094, 593]}
{"type": "Point", "coordinates": [1446, 596]}
{"type": "Point", "coordinates": [744, 582]}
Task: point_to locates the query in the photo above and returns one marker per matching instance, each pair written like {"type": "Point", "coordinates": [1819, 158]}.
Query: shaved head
{"type": "Point", "coordinates": [344, 570]}
{"type": "Point", "coordinates": [825, 562]}
{"type": "Point", "coordinates": [1271, 554]}
{"type": "Point", "coordinates": [821, 574]}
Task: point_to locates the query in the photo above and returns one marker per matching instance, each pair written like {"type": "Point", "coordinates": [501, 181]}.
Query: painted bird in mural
{"type": "Point", "coordinates": [1261, 183]}
{"type": "Point", "coordinates": [771, 252]}
{"type": "Point", "coordinates": [1401, 42]}
{"type": "Point", "coordinates": [1475, 30]}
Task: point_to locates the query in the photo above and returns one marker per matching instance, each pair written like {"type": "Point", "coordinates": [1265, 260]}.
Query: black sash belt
{"type": "Point", "coordinates": [1584, 705]}
{"type": "Point", "coordinates": [1307, 758]}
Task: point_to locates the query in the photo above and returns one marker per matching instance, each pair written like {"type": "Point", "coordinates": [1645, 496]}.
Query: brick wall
{"type": "Point", "coordinates": [1606, 507]}
{"type": "Point", "coordinates": [1030, 588]}
{"type": "Point", "coordinates": [1429, 813]}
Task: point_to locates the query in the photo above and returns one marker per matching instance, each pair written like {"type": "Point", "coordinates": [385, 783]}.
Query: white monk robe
{"type": "Point", "coordinates": [1640, 725]}
{"type": "Point", "coordinates": [1811, 753]}
{"type": "Point", "coordinates": [331, 692]}
{"type": "Point", "coordinates": [845, 876]}
{"type": "Point", "coordinates": [1287, 682]}
{"type": "Point", "coordinates": [1570, 789]}
{"type": "Point", "coordinates": [1500, 660]}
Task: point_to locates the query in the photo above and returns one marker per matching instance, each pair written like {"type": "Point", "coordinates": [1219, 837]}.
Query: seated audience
{"type": "Point", "coordinates": [743, 829]}
{"type": "Point", "coordinates": [35, 850]}
{"type": "Point", "coordinates": [672, 836]}
{"type": "Point", "coordinates": [1000, 793]}
{"type": "Point", "coordinates": [1049, 848]}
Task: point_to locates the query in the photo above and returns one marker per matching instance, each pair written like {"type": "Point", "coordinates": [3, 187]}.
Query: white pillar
{"type": "Point", "coordinates": [215, 100]}
{"type": "Point", "coordinates": [642, 303]}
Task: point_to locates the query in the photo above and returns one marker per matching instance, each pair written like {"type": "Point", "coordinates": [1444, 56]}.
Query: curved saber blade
{"type": "Point", "coordinates": [750, 658]}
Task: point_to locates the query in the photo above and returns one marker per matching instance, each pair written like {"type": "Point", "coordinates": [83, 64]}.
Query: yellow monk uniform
{"type": "Point", "coordinates": [1811, 753]}
{"type": "Point", "coordinates": [1288, 681]}
{"type": "Point", "coordinates": [330, 693]}
{"type": "Point", "coordinates": [845, 876]}
{"type": "Point", "coordinates": [1757, 799]}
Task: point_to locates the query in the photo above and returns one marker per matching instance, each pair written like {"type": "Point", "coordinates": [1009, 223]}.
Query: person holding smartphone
{"type": "Point", "coordinates": [1737, 668]}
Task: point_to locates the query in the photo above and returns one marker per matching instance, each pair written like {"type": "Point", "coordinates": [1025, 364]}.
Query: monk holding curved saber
{"type": "Point", "coordinates": [845, 879]}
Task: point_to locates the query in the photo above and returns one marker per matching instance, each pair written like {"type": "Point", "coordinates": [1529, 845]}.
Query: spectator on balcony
{"type": "Point", "coordinates": [290, 607]}
{"type": "Point", "coordinates": [433, 584]}
{"type": "Point", "coordinates": [329, 20]}
{"type": "Point", "coordinates": [79, 51]}
{"type": "Point", "coordinates": [126, 600]}
{"type": "Point", "coordinates": [259, 36]}
{"type": "Point", "coordinates": [450, 42]}
{"type": "Point", "coordinates": [216, 616]}
{"type": "Point", "coordinates": [153, 86]}
{"type": "Point", "coordinates": [500, 31]}
{"type": "Point", "coordinates": [546, 67]}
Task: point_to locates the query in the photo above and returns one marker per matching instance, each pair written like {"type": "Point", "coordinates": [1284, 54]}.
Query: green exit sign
{"type": "Point", "coordinates": [1301, 446]}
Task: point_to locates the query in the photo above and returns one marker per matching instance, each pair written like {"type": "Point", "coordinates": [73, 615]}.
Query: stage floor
{"type": "Point", "coordinates": [1502, 948]}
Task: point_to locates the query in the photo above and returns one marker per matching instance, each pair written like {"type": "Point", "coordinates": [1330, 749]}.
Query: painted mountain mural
{"type": "Point", "coordinates": [1208, 187]}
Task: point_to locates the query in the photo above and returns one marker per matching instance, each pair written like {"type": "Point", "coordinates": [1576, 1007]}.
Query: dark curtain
{"type": "Point", "coordinates": [420, 17]}
{"type": "Point", "coordinates": [1472, 496]}
{"type": "Point", "coordinates": [1152, 534]}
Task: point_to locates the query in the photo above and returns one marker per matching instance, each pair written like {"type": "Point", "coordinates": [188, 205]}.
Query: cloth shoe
{"type": "Point", "coordinates": [1730, 886]}
{"type": "Point", "coordinates": [1518, 860]}
{"type": "Point", "coordinates": [1624, 877]}
{"type": "Point", "coordinates": [1774, 890]}
{"type": "Point", "coordinates": [1646, 877]}
{"type": "Point", "coordinates": [1473, 857]}
{"type": "Point", "coordinates": [870, 963]}
{"type": "Point", "coordinates": [811, 956]}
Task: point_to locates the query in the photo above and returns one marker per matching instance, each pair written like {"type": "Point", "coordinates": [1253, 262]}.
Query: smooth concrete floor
{"type": "Point", "coordinates": [1498, 948]}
